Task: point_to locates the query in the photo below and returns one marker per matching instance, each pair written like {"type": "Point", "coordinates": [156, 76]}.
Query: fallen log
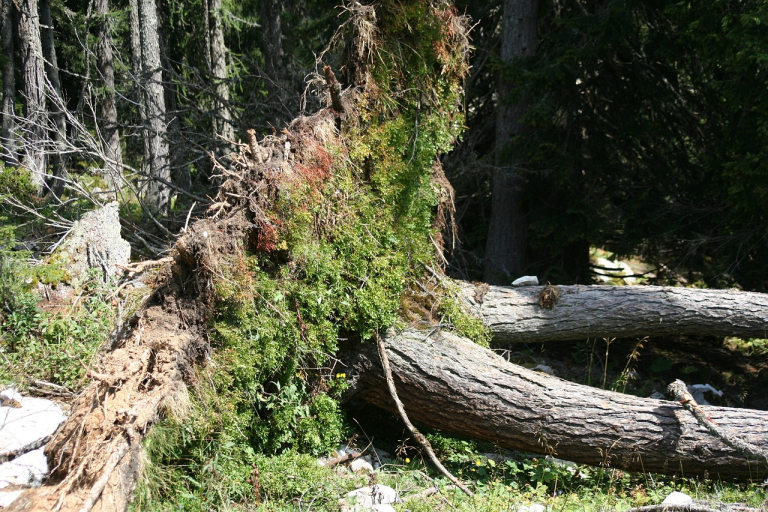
{"type": "Point", "coordinates": [551, 313]}
{"type": "Point", "coordinates": [454, 385]}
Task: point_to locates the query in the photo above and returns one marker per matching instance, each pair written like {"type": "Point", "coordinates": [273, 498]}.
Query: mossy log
{"type": "Point", "coordinates": [451, 384]}
{"type": "Point", "coordinates": [516, 315]}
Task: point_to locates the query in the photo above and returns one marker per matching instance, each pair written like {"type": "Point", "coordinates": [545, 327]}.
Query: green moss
{"type": "Point", "coordinates": [338, 247]}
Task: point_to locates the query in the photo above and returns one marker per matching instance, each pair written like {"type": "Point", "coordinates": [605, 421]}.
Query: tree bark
{"type": "Point", "coordinates": [137, 70]}
{"type": "Point", "coordinates": [515, 315]}
{"type": "Point", "coordinates": [158, 194]}
{"type": "Point", "coordinates": [8, 135]}
{"type": "Point", "coordinates": [222, 118]}
{"type": "Point", "coordinates": [56, 105]}
{"type": "Point", "coordinates": [454, 385]}
{"type": "Point", "coordinates": [270, 14]}
{"type": "Point", "coordinates": [35, 113]}
{"type": "Point", "coordinates": [110, 132]}
{"type": "Point", "coordinates": [506, 245]}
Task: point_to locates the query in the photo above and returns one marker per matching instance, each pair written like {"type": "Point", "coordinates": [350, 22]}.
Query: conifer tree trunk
{"type": "Point", "coordinates": [270, 14]}
{"type": "Point", "coordinates": [151, 82]}
{"type": "Point", "coordinates": [33, 73]}
{"type": "Point", "coordinates": [218, 64]}
{"type": "Point", "coordinates": [59, 129]}
{"type": "Point", "coordinates": [8, 136]}
{"type": "Point", "coordinates": [506, 244]}
{"type": "Point", "coordinates": [110, 133]}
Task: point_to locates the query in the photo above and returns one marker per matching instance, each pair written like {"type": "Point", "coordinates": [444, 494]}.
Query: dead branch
{"type": "Point", "coordinates": [423, 441]}
{"type": "Point", "coordinates": [679, 391]}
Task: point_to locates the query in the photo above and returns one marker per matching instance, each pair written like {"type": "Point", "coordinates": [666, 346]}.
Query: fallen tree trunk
{"type": "Point", "coordinates": [454, 385]}
{"type": "Point", "coordinates": [517, 315]}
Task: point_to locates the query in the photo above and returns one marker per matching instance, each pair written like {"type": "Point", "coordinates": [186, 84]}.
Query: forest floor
{"type": "Point", "coordinates": [506, 480]}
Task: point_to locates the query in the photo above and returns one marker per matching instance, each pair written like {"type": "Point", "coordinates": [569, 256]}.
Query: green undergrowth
{"type": "Point", "coordinates": [501, 480]}
{"type": "Point", "coordinates": [335, 253]}
{"type": "Point", "coordinates": [49, 340]}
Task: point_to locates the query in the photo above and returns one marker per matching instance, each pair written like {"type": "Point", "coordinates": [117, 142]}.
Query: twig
{"type": "Point", "coordinates": [347, 457]}
{"type": "Point", "coordinates": [143, 265]}
{"type": "Point", "coordinates": [426, 493]}
{"type": "Point", "coordinates": [189, 213]}
{"type": "Point", "coordinates": [679, 391]}
{"type": "Point", "coordinates": [12, 454]}
{"type": "Point", "coordinates": [423, 441]}
{"type": "Point", "coordinates": [49, 388]}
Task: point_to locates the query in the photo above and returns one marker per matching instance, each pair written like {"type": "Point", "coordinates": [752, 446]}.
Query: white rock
{"type": "Point", "coordinates": [496, 457]}
{"type": "Point", "coordinates": [618, 269]}
{"type": "Point", "coordinates": [545, 369]}
{"type": "Point", "coordinates": [526, 281]}
{"type": "Point", "coordinates": [10, 398]}
{"type": "Point", "coordinates": [533, 507]}
{"type": "Point", "coordinates": [361, 465]}
{"type": "Point", "coordinates": [380, 457]}
{"type": "Point", "coordinates": [698, 390]}
{"type": "Point", "coordinates": [28, 470]}
{"type": "Point", "coordinates": [376, 495]}
{"type": "Point", "coordinates": [383, 508]}
{"type": "Point", "coordinates": [21, 426]}
{"type": "Point", "coordinates": [8, 497]}
{"type": "Point", "coordinates": [677, 498]}
{"type": "Point", "coordinates": [657, 395]}
{"type": "Point", "coordinates": [34, 420]}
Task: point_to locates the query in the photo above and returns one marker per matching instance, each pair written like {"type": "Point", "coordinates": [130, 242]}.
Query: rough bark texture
{"type": "Point", "coordinates": [7, 136]}
{"type": "Point", "coordinates": [516, 315]}
{"type": "Point", "coordinates": [110, 133]}
{"type": "Point", "coordinates": [35, 113]}
{"type": "Point", "coordinates": [218, 53]}
{"type": "Point", "coordinates": [137, 69]}
{"type": "Point", "coordinates": [506, 244]}
{"type": "Point", "coordinates": [158, 194]}
{"type": "Point", "coordinates": [59, 128]}
{"type": "Point", "coordinates": [457, 386]}
{"type": "Point", "coordinates": [272, 34]}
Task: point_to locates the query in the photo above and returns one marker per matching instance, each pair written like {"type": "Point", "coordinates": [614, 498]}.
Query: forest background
{"type": "Point", "coordinates": [643, 130]}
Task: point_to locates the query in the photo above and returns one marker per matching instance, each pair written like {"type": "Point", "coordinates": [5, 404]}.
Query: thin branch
{"type": "Point", "coordinates": [679, 391]}
{"type": "Point", "coordinates": [34, 445]}
{"type": "Point", "coordinates": [423, 441]}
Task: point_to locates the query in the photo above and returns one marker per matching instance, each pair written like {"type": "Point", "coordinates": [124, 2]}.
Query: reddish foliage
{"type": "Point", "coordinates": [266, 236]}
{"type": "Point", "coordinates": [317, 167]}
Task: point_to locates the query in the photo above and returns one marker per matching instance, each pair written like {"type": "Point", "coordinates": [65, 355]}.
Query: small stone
{"type": "Point", "coordinates": [533, 507]}
{"type": "Point", "coordinates": [376, 495]}
{"type": "Point", "coordinates": [677, 498]}
{"type": "Point", "coordinates": [361, 465]}
{"type": "Point", "coordinates": [526, 281]}
{"type": "Point", "coordinates": [10, 398]}
{"type": "Point", "coordinates": [545, 369]}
